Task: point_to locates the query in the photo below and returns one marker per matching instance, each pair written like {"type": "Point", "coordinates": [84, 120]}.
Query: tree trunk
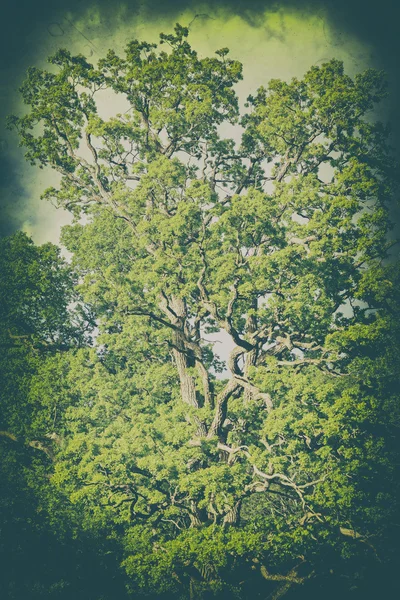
{"type": "Point", "coordinates": [207, 386]}
{"type": "Point", "coordinates": [197, 516]}
{"type": "Point", "coordinates": [233, 516]}
{"type": "Point", "coordinates": [183, 363]}
{"type": "Point", "coordinates": [221, 407]}
{"type": "Point", "coordinates": [184, 358]}
{"type": "Point", "coordinates": [250, 357]}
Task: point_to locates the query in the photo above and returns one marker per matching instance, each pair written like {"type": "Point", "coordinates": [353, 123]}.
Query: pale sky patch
{"type": "Point", "coordinates": [279, 44]}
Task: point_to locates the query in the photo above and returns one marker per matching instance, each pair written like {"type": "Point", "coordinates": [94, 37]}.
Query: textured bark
{"type": "Point", "coordinates": [255, 393]}
{"type": "Point", "coordinates": [233, 516]}
{"type": "Point", "coordinates": [207, 387]}
{"type": "Point", "coordinates": [183, 363]}
{"type": "Point", "coordinates": [221, 407]}
{"type": "Point", "coordinates": [233, 360]}
{"type": "Point", "coordinates": [184, 358]}
{"type": "Point", "coordinates": [201, 431]}
{"type": "Point", "coordinates": [197, 517]}
{"type": "Point", "coordinates": [250, 359]}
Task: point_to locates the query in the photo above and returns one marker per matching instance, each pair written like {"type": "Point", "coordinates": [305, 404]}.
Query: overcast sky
{"type": "Point", "coordinates": [271, 39]}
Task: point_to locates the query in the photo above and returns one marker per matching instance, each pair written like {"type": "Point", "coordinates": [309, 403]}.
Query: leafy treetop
{"type": "Point", "coordinates": [278, 240]}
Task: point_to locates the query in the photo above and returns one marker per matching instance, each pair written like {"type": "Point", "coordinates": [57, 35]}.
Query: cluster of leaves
{"type": "Point", "coordinates": [44, 551]}
{"type": "Point", "coordinates": [40, 315]}
{"type": "Point", "coordinates": [279, 471]}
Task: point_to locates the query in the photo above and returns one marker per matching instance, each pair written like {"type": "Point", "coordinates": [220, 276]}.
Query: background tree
{"type": "Point", "coordinates": [261, 475]}
{"type": "Point", "coordinates": [42, 320]}
{"type": "Point", "coordinates": [40, 314]}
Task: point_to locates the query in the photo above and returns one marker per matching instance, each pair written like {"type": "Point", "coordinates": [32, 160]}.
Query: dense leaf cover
{"type": "Point", "coordinates": [278, 471]}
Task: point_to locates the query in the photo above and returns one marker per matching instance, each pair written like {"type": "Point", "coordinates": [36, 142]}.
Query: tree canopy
{"type": "Point", "coordinates": [275, 468]}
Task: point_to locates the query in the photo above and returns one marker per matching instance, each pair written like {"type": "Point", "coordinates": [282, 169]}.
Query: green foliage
{"type": "Point", "coordinates": [37, 320]}
{"type": "Point", "coordinates": [42, 319]}
{"type": "Point", "coordinates": [279, 471]}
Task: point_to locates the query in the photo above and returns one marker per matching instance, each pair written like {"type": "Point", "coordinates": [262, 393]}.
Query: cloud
{"type": "Point", "coordinates": [271, 39]}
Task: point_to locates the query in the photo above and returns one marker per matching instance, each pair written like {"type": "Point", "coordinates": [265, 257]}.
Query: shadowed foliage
{"type": "Point", "coordinates": [277, 474]}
